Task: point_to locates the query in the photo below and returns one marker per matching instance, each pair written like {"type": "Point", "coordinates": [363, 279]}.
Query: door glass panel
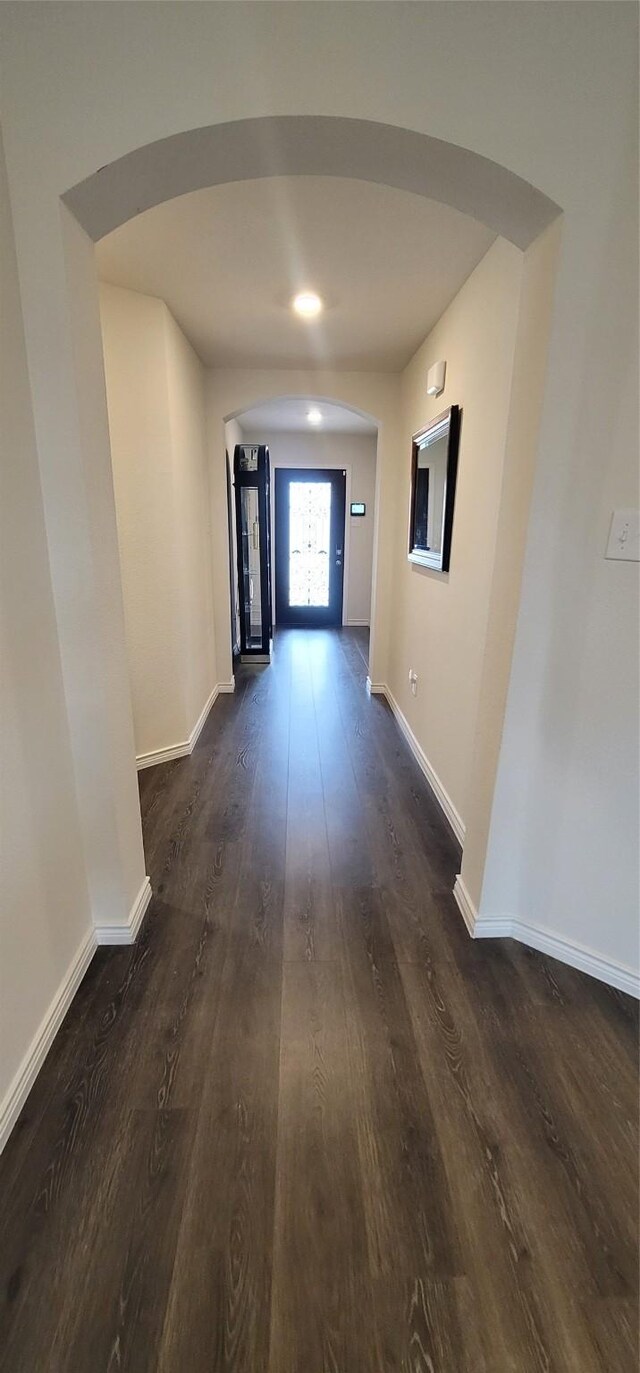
{"type": "Point", "coordinates": [251, 590]}
{"type": "Point", "coordinates": [309, 531]}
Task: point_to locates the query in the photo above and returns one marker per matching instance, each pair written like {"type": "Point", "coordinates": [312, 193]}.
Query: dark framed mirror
{"type": "Point", "coordinates": [434, 468]}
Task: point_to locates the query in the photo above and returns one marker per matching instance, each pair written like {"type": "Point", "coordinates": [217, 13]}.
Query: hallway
{"type": "Point", "coordinates": [306, 1125]}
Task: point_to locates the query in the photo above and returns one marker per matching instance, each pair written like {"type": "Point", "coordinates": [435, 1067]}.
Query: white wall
{"type": "Point", "coordinates": [440, 619]}
{"type": "Point", "coordinates": [356, 453]}
{"type": "Point", "coordinates": [155, 394]}
{"type": "Point", "coordinates": [469, 75]}
{"type": "Point", "coordinates": [45, 913]}
{"type": "Point", "coordinates": [186, 378]}
{"type": "Point", "coordinates": [563, 853]}
{"type": "Point", "coordinates": [539, 267]}
{"type": "Point", "coordinates": [494, 338]}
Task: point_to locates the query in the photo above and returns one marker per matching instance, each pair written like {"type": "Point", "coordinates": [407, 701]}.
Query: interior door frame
{"type": "Point", "coordinates": [342, 467]}
{"type": "Point", "coordinates": [345, 469]}
{"type": "Point", "coordinates": [233, 561]}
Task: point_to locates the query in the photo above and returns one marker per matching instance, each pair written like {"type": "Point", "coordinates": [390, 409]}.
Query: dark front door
{"type": "Point", "coordinates": [309, 545]}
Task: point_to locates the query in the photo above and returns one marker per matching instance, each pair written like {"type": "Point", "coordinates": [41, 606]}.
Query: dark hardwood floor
{"type": "Point", "coordinates": [306, 1125]}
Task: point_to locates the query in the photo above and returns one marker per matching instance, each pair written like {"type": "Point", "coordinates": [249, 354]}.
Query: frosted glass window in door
{"type": "Point", "coordinates": [252, 589]}
{"type": "Point", "coordinates": [309, 532]}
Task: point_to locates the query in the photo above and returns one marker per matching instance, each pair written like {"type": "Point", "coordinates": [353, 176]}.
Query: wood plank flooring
{"type": "Point", "coordinates": [307, 1125]}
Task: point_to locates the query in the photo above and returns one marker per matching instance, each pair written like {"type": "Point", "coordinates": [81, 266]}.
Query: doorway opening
{"type": "Point", "coordinates": [309, 546]}
{"type": "Point", "coordinates": [323, 507]}
{"type": "Point", "coordinates": [341, 359]}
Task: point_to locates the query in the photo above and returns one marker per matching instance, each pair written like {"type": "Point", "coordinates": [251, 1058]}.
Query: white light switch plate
{"type": "Point", "coordinates": [624, 536]}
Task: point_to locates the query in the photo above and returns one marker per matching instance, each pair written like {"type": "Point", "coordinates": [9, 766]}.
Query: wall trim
{"type": "Point", "coordinates": [352, 621]}
{"type": "Point", "coordinates": [200, 722]}
{"type": "Point", "coordinates": [24, 1078]}
{"type": "Point", "coordinates": [28, 1070]}
{"type": "Point", "coordinates": [127, 933]}
{"type": "Point", "coordinates": [465, 904]}
{"type": "Point", "coordinates": [573, 953]}
{"type": "Point", "coordinates": [439, 790]}
{"type": "Point", "coordinates": [576, 955]}
{"type": "Point", "coordinates": [161, 755]}
{"type": "Point", "coordinates": [167, 755]}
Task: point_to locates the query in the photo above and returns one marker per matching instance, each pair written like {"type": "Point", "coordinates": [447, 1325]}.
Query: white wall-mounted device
{"type": "Point", "coordinates": [435, 379]}
{"type": "Point", "coordinates": [624, 536]}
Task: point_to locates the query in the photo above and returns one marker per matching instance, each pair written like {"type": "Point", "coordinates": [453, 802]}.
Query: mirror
{"type": "Point", "coordinates": [434, 465]}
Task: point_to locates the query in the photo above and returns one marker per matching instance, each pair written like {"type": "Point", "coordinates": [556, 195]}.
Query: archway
{"type": "Point", "coordinates": [311, 145]}
{"type": "Point", "coordinates": [70, 404]}
{"type": "Point", "coordinates": [230, 395]}
{"type": "Point", "coordinates": [441, 69]}
{"type": "Point", "coordinates": [300, 145]}
{"type": "Point", "coordinates": [346, 440]}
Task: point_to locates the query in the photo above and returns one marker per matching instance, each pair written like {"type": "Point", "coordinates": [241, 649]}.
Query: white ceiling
{"type": "Point", "coordinates": [228, 259]}
{"type": "Point", "coordinates": [288, 414]}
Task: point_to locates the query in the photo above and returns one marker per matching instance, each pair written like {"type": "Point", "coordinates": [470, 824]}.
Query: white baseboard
{"type": "Point", "coordinates": [465, 905]}
{"type": "Point", "coordinates": [200, 722]}
{"type": "Point", "coordinates": [25, 1077]}
{"type": "Point", "coordinates": [576, 955]}
{"type": "Point", "coordinates": [503, 927]}
{"type": "Point", "coordinates": [167, 755]}
{"type": "Point", "coordinates": [127, 933]}
{"type": "Point", "coordinates": [353, 622]}
{"type": "Point", "coordinates": [480, 927]}
{"type": "Point", "coordinates": [439, 790]}
{"type": "Point", "coordinates": [27, 1073]}
{"type": "Point", "coordinates": [162, 755]}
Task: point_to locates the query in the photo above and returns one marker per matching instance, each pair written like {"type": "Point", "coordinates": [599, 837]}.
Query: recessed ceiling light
{"type": "Point", "coordinates": [307, 304]}
{"type": "Point", "coordinates": [314, 416]}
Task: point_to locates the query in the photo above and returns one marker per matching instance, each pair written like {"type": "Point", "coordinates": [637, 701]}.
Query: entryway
{"type": "Point", "coordinates": [322, 507]}
{"type": "Point", "coordinates": [309, 546]}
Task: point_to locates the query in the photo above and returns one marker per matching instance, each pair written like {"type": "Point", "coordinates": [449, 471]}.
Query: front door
{"type": "Point", "coordinates": [309, 546]}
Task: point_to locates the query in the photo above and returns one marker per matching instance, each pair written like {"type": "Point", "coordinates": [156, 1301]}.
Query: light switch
{"type": "Point", "coordinates": [624, 536]}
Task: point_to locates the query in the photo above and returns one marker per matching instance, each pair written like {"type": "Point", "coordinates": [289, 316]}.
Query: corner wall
{"type": "Point", "coordinates": [46, 929]}
{"type": "Point", "coordinates": [523, 428]}
{"type": "Point", "coordinates": [155, 394]}
{"type": "Point", "coordinates": [186, 382]}
{"type": "Point", "coordinates": [562, 869]}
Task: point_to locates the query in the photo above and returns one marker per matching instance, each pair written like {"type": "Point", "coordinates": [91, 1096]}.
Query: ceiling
{"type": "Point", "coordinates": [227, 261]}
{"type": "Point", "coordinates": [288, 414]}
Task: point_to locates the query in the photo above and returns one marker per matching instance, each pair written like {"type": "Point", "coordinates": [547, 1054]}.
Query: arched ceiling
{"type": "Point", "coordinates": [227, 260]}
{"type": "Point", "coordinates": [311, 145]}
{"type": "Point", "coordinates": [289, 414]}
